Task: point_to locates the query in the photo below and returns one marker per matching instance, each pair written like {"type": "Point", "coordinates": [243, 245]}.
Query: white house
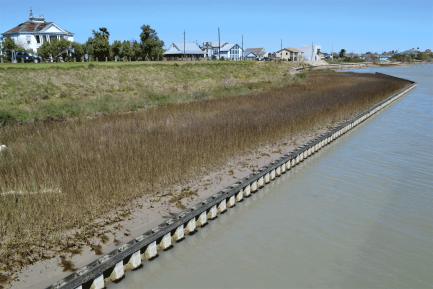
{"type": "Point", "coordinates": [260, 52]}
{"type": "Point", "coordinates": [223, 49]}
{"type": "Point", "coordinates": [311, 52]}
{"type": "Point", "coordinates": [35, 31]}
{"type": "Point", "coordinates": [249, 55]}
{"type": "Point", "coordinates": [176, 49]}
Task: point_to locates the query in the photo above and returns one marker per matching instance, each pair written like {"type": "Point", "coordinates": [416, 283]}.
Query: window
{"type": "Point", "coordinates": [286, 53]}
{"type": "Point", "coordinates": [234, 52]}
{"type": "Point", "coordinates": [215, 50]}
{"type": "Point", "coordinates": [38, 40]}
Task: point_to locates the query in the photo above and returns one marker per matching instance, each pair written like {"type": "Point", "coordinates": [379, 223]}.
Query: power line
{"type": "Point", "coordinates": [184, 45]}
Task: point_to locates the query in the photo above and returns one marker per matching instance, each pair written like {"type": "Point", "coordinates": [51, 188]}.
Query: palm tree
{"type": "Point", "coordinates": [104, 32]}
{"type": "Point", "coordinates": [342, 52]}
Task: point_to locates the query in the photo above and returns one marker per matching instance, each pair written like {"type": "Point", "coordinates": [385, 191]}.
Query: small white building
{"type": "Point", "coordinates": [176, 49]}
{"type": "Point", "coordinates": [260, 52]}
{"type": "Point", "coordinates": [311, 52]}
{"type": "Point", "coordinates": [35, 31]}
{"type": "Point", "coordinates": [249, 55]}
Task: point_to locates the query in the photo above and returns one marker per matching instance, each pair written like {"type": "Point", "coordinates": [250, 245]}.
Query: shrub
{"type": "Point", "coordinates": [6, 118]}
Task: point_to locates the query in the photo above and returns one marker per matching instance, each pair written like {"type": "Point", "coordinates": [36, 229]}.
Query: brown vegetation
{"type": "Point", "coordinates": [57, 177]}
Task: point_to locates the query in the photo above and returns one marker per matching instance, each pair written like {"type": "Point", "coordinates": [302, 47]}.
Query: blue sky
{"type": "Point", "coordinates": [357, 26]}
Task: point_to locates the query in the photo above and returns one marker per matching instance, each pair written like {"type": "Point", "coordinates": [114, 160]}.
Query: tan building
{"type": "Point", "coordinates": [290, 54]}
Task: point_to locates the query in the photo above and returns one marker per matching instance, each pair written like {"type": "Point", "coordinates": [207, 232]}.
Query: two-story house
{"type": "Point", "coordinates": [290, 54]}
{"type": "Point", "coordinates": [222, 49]}
{"type": "Point", "coordinates": [35, 31]}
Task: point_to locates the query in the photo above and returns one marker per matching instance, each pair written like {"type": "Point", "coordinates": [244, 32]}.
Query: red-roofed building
{"type": "Point", "coordinates": [35, 31]}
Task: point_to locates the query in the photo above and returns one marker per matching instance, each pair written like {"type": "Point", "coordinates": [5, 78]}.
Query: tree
{"type": "Point", "coordinates": [104, 33]}
{"type": "Point", "coordinates": [126, 50]}
{"type": "Point", "coordinates": [44, 50]}
{"type": "Point", "coordinates": [88, 46]}
{"type": "Point", "coordinates": [99, 45]}
{"type": "Point", "coordinates": [116, 47]}
{"type": "Point", "coordinates": [342, 52]}
{"type": "Point", "coordinates": [77, 50]}
{"type": "Point", "coordinates": [136, 50]}
{"type": "Point", "coordinates": [151, 45]}
{"type": "Point", "coordinates": [9, 44]}
{"type": "Point", "coordinates": [60, 47]}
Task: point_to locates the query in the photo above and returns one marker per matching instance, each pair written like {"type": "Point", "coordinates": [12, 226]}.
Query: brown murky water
{"type": "Point", "coordinates": [359, 214]}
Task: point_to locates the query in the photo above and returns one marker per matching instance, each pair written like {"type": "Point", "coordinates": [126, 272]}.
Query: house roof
{"type": "Point", "coordinates": [295, 50]}
{"type": "Point", "coordinates": [292, 50]}
{"type": "Point", "coordinates": [410, 51]}
{"type": "Point", "coordinates": [218, 44]}
{"type": "Point", "coordinates": [248, 54]}
{"type": "Point", "coordinates": [31, 26]}
{"type": "Point", "coordinates": [255, 50]}
{"type": "Point", "coordinates": [177, 48]}
{"type": "Point", "coordinates": [228, 46]}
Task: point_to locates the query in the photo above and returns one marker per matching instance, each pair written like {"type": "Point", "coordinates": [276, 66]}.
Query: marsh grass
{"type": "Point", "coordinates": [87, 168]}
{"type": "Point", "coordinates": [39, 92]}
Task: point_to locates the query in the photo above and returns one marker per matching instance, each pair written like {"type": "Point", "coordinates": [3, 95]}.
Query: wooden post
{"type": "Point", "coordinates": [2, 60]}
{"type": "Point", "coordinates": [96, 59]}
{"type": "Point", "coordinates": [129, 59]}
{"type": "Point", "coordinates": [105, 58]}
{"type": "Point", "coordinates": [123, 58]}
{"type": "Point", "coordinates": [75, 60]}
{"type": "Point", "coordinates": [22, 60]}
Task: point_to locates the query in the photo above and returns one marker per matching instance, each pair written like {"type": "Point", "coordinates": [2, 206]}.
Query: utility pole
{"type": "Point", "coordinates": [312, 50]}
{"type": "Point", "coordinates": [184, 45]}
{"type": "Point", "coordinates": [281, 51]}
{"type": "Point", "coordinates": [219, 44]}
{"type": "Point", "coordinates": [242, 58]}
{"type": "Point", "coordinates": [332, 53]}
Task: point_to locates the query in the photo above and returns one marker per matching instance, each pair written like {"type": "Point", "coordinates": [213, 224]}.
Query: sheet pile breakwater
{"type": "Point", "coordinates": [129, 256]}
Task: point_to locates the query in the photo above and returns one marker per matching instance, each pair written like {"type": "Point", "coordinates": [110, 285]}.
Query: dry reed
{"type": "Point", "coordinates": [70, 173]}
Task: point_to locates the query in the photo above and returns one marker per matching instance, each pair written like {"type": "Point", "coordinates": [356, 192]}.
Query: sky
{"type": "Point", "coordinates": [356, 26]}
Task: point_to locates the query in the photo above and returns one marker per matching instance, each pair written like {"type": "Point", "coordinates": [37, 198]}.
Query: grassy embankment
{"type": "Point", "coordinates": [58, 176]}
{"type": "Point", "coordinates": [44, 91]}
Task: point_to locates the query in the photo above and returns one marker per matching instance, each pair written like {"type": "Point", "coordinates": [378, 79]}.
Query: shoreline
{"type": "Point", "coordinates": [157, 209]}
{"type": "Point", "coordinates": [151, 211]}
{"type": "Point", "coordinates": [363, 65]}
{"type": "Point", "coordinates": [92, 274]}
